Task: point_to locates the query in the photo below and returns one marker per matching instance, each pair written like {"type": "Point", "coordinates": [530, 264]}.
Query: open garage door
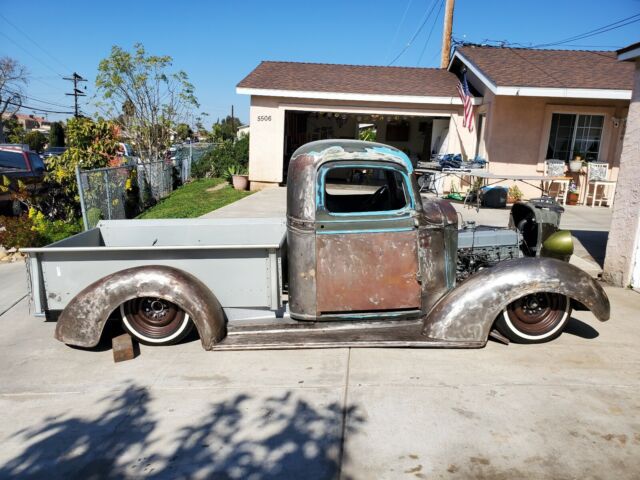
{"type": "Point", "coordinates": [420, 137]}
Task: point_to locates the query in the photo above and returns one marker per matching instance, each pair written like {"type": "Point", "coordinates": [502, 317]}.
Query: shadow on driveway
{"type": "Point", "coordinates": [285, 438]}
{"type": "Point", "coordinates": [594, 242]}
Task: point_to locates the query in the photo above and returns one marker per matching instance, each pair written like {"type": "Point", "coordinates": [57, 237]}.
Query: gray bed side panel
{"type": "Point", "coordinates": [238, 278]}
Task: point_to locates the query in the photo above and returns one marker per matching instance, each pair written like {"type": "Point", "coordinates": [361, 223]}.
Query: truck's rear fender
{"type": "Point", "coordinates": [82, 321]}
{"type": "Point", "coordinates": [468, 311]}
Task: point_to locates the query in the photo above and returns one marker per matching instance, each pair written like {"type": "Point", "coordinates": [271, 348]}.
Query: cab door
{"type": "Point", "coordinates": [366, 240]}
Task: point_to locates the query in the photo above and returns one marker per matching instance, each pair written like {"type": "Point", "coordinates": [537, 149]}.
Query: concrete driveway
{"type": "Point", "coordinates": [567, 409]}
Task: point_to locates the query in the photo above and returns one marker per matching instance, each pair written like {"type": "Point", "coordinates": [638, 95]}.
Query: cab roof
{"type": "Point", "coordinates": [331, 150]}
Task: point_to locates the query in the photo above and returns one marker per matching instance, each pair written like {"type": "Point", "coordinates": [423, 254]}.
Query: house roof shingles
{"type": "Point", "coordinates": [522, 67]}
{"type": "Point", "coordinates": [357, 79]}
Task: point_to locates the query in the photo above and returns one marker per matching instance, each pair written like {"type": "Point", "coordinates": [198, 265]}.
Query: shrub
{"type": "Point", "coordinates": [18, 232]}
{"type": "Point", "coordinates": [49, 231]}
{"type": "Point", "coordinates": [515, 193]}
{"type": "Point", "coordinates": [216, 162]}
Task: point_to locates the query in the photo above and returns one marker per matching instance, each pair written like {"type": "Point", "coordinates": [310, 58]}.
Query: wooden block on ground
{"type": "Point", "coordinates": [123, 348]}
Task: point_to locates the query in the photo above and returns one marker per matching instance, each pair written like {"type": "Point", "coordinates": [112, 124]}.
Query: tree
{"type": "Point", "coordinates": [153, 99]}
{"type": "Point", "coordinates": [56, 135]}
{"type": "Point", "coordinates": [13, 76]}
{"type": "Point", "coordinates": [183, 131]}
{"type": "Point", "coordinates": [225, 129]}
{"type": "Point", "coordinates": [13, 131]}
{"type": "Point", "coordinates": [36, 140]}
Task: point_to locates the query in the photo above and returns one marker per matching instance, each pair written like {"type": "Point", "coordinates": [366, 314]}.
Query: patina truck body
{"type": "Point", "coordinates": [361, 260]}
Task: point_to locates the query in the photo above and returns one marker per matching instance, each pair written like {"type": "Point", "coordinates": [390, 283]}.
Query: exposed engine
{"type": "Point", "coordinates": [482, 246]}
{"type": "Point", "coordinates": [530, 224]}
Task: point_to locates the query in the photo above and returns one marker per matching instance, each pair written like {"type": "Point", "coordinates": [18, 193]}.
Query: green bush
{"type": "Point", "coordinates": [50, 231]}
{"type": "Point", "coordinates": [94, 215]}
{"type": "Point", "coordinates": [18, 232]}
{"type": "Point", "coordinates": [216, 162]}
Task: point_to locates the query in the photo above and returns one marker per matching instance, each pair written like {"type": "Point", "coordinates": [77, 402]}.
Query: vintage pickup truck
{"type": "Point", "coordinates": [361, 260]}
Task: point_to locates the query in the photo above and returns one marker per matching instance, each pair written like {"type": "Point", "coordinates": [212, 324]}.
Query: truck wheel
{"type": "Point", "coordinates": [154, 321]}
{"type": "Point", "coordinates": [535, 318]}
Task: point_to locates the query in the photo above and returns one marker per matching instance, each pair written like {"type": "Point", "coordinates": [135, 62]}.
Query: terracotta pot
{"type": "Point", "coordinates": [572, 198]}
{"type": "Point", "coordinates": [240, 182]}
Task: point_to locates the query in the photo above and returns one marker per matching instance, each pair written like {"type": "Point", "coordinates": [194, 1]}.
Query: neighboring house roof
{"type": "Point", "coordinates": [353, 82]}
{"type": "Point", "coordinates": [630, 52]}
{"type": "Point", "coordinates": [557, 73]}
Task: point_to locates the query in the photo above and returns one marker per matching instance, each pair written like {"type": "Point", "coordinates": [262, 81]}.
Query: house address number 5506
{"type": "Point", "coordinates": [264, 118]}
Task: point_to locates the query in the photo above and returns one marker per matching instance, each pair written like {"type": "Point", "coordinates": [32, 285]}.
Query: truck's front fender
{"type": "Point", "coordinates": [467, 312]}
{"type": "Point", "coordinates": [82, 321]}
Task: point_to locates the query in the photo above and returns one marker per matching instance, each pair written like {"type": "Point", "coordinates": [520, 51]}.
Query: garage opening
{"type": "Point", "coordinates": [420, 137]}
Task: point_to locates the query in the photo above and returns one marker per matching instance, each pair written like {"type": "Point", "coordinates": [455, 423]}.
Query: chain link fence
{"type": "Point", "coordinates": [188, 155]}
{"type": "Point", "coordinates": [122, 192]}
{"type": "Point", "coordinates": [125, 191]}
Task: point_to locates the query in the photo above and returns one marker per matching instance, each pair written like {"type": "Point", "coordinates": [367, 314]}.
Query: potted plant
{"type": "Point", "coordinates": [514, 194]}
{"type": "Point", "coordinates": [238, 176]}
{"type": "Point", "coordinates": [576, 164]}
{"type": "Point", "coordinates": [572, 196]}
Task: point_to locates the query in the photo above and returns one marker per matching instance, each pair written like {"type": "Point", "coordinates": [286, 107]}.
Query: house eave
{"type": "Point", "coordinates": [590, 93]}
{"type": "Point", "coordinates": [515, 91]}
{"type": "Point", "coordinates": [630, 54]}
{"type": "Point", "coordinates": [362, 97]}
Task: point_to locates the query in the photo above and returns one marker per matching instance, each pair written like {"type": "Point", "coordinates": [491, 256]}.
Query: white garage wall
{"type": "Point", "coordinates": [266, 142]}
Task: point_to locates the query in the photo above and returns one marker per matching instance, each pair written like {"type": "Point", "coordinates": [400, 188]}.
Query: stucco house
{"type": "Point", "coordinates": [529, 105]}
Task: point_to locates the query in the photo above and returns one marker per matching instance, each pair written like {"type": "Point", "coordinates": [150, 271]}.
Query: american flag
{"type": "Point", "coordinates": [467, 101]}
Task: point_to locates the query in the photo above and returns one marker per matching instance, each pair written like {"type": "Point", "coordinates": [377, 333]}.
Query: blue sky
{"type": "Point", "coordinates": [218, 42]}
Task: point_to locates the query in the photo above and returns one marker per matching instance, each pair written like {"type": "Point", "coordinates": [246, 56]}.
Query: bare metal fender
{"type": "Point", "coordinates": [467, 312]}
{"type": "Point", "coordinates": [82, 321]}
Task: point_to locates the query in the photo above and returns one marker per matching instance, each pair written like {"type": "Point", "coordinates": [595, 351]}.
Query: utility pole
{"type": "Point", "coordinates": [76, 91]}
{"type": "Point", "coordinates": [446, 34]}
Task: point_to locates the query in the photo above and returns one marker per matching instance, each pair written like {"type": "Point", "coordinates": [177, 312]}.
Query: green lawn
{"type": "Point", "coordinates": [193, 199]}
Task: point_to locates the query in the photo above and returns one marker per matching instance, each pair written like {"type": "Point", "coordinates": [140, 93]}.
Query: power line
{"type": "Point", "coordinates": [435, 20]}
{"type": "Point", "coordinates": [29, 53]}
{"type": "Point", "coordinates": [417, 32]}
{"type": "Point", "coordinates": [35, 99]}
{"type": "Point", "coordinates": [36, 109]}
{"type": "Point", "coordinates": [395, 35]}
{"type": "Point", "coordinates": [34, 42]}
{"type": "Point", "coordinates": [594, 32]}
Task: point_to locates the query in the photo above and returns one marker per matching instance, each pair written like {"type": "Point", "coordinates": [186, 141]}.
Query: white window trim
{"type": "Point", "coordinates": [508, 90]}
{"type": "Point", "coordinates": [360, 97]}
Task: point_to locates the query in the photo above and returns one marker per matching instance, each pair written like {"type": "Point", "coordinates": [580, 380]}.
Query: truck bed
{"type": "Point", "coordinates": [240, 260]}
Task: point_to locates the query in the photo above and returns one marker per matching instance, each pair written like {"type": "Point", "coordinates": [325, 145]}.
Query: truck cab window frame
{"type": "Point", "coordinates": [386, 187]}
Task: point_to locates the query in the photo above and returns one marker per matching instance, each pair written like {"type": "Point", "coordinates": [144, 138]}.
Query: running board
{"type": "Point", "coordinates": [335, 335]}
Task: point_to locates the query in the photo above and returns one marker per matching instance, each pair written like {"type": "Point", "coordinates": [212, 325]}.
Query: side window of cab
{"type": "Point", "coordinates": [362, 190]}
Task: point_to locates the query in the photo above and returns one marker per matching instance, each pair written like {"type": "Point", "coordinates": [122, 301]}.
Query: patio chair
{"type": "Point", "coordinates": [598, 182]}
{"type": "Point", "coordinates": [555, 168]}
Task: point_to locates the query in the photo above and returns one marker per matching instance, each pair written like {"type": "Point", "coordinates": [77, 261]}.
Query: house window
{"type": "Point", "coordinates": [573, 135]}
